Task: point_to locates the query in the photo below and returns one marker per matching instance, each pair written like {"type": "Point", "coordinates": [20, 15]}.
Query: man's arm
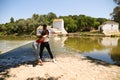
{"type": "Point", "coordinates": [47, 34]}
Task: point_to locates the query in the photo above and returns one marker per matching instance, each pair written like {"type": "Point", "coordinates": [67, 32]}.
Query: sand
{"type": "Point", "coordinates": [66, 68]}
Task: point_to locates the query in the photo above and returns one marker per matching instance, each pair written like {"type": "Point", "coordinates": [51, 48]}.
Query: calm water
{"type": "Point", "coordinates": [104, 48]}
{"type": "Point", "coordinates": [7, 45]}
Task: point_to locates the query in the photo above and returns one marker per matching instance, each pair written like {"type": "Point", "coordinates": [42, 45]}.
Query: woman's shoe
{"type": "Point", "coordinates": [40, 63]}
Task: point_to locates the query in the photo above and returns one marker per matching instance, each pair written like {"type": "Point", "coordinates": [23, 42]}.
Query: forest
{"type": "Point", "coordinates": [72, 23]}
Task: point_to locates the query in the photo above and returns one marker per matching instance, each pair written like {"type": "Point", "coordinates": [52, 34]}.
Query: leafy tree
{"type": "Point", "coordinates": [116, 14]}
{"type": "Point", "coordinates": [101, 20]}
{"type": "Point", "coordinates": [21, 26]}
{"type": "Point", "coordinates": [10, 28]}
{"type": "Point", "coordinates": [96, 24]}
{"type": "Point", "coordinates": [90, 23]}
{"type": "Point", "coordinates": [11, 20]}
{"type": "Point", "coordinates": [43, 19]}
{"type": "Point", "coordinates": [2, 28]}
{"type": "Point", "coordinates": [70, 25]}
{"type": "Point", "coordinates": [75, 17]}
{"type": "Point", "coordinates": [117, 1]}
{"type": "Point", "coordinates": [82, 22]}
{"type": "Point", "coordinates": [50, 17]}
{"type": "Point", "coordinates": [35, 16]}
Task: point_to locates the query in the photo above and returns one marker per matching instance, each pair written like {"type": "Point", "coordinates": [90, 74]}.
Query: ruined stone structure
{"type": "Point", "coordinates": [58, 24]}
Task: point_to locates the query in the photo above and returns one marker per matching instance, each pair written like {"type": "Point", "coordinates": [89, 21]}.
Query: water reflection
{"type": "Point", "coordinates": [7, 45]}
{"type": "Point", "coordinates": [84, 44]}
{"type": "Point", "coordinates": [105, 48]}
{"type": "Point", "coordinates": [57, 45]}
{"type": "Point", "coordinates": [102, 48]}
{"type": "Point", "coordinates": [110, 42]}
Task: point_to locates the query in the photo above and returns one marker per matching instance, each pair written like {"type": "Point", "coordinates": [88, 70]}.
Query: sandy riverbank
{"type": "Point", "coordinates": [66, 68]}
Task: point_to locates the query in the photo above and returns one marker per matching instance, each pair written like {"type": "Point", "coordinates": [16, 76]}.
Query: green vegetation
{"type": "Point", "coordinates": [116, 12]}
{"type": "Point", "coordinates": [72, 23]}
{"type": "Point", "coordinates": [81, 23]}
{"type": "Point", "coordinates": [25, 27]}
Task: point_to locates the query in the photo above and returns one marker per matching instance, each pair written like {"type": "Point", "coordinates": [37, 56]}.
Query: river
{"type": "Point", "coordinates": [7, 45]}
{"type": "Point", "coordinates": [102, 48]}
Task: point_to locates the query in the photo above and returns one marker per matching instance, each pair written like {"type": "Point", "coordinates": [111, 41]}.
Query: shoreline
{"type": "Point", "coordinates": [31, 37]}
{"type": "Point", "coordinates": [66, 68]}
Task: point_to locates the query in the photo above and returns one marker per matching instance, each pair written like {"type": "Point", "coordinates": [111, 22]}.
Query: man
{"type": "Point", "coordinates": [45, 34]}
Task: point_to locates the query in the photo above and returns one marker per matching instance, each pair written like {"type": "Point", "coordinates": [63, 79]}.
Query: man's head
{"type": "Point", "coordinates": [44, 26]}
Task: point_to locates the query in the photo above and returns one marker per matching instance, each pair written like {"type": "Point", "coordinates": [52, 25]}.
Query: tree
{"type": "Point", "coordinates": [96, 24]}
{"type": "Point", "coordinates": [43, 19]}
{"type": "Point", "coordinates": [35, 16]}
{"type": "Point", "coordinates": [50, 17]}
{"type": "Point", "coordinates": [116, 14]}
{"type": "Point", "coordinates": [11, 20]}
{"type": "Point", "coordinates": [10, 28]}
{"type": "Point", "coordinates": [70, 25]}
{"type": "Point", "coordinates": [101, 20]}
{"type": "Point", "coordinates": [82, 22]}
{"type": "Point", "coordinates": [117, 2]}
{"type": "Point", "coordinates": [90, 23]}
{"type": "Point", "coordinates": [2, 28]}
{"type": "Point", "coordinates": [21, 26]}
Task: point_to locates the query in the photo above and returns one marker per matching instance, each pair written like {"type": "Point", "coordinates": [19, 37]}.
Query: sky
{"type": "Point", "coordinates": [23, 9]}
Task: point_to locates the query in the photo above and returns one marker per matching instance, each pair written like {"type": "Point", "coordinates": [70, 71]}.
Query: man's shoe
{"type": "Point", "coordinates": [53, 60]}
